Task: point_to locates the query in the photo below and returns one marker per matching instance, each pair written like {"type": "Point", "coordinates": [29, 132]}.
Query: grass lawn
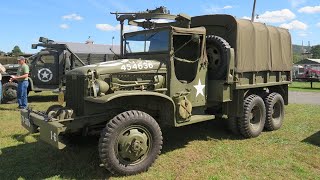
{"type": "Point", "coordinates": [304, 87]}
{"type": "Point", "coordinates": [201, 151]}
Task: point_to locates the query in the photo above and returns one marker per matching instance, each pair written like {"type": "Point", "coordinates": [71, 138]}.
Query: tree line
{"type": "Point", "coordinates": [16, 51]}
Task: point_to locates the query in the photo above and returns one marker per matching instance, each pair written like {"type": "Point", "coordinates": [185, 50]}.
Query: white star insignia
{"type": "Point", "coordinates": [199, 88]}
{"type": "Point", "coordinates": [45, 75]}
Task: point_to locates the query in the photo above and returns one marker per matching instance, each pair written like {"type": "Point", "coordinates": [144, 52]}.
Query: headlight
{"type": "Point", "coordinates": [101, 86]}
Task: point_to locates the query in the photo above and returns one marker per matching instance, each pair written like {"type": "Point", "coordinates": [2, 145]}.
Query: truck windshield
{"type": "Point", "coordinates": [147, 42]}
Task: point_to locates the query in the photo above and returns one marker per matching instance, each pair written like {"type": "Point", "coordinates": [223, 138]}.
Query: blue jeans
{"type": "Point", "coordinates": [22, 94]}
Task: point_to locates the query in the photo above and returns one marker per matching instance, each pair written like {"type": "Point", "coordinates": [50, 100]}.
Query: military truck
{"type": "Point", "coordinates": [48, 67]}
{"type": "Point", "coordinates": [202, 68]}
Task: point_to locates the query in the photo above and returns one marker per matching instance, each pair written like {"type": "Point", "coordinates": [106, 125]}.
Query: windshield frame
{"type": "Point", "coordinates": [157, 30]}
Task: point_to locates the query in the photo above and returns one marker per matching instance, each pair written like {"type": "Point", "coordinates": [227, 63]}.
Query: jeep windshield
{"type": "Point", "coordinates": [147, 41]}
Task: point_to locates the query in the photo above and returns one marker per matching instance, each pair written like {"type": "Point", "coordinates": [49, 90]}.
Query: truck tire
{"type": "Point", "coordinates": [9, 90]}
{"type": "Point", "coordinates": [275, 111]}
{"type": "Point", "coordinates": [253, 120]}
{"type": "Point", "coordinates": [130, 143]}
{"type": "Point", "coordinates": [217, 56]}
{"type": "Point", "coordinates": [233, 125]}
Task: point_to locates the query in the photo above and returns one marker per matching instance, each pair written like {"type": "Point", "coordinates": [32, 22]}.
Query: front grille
{"type": "Point", "coordinates": [75, 92]}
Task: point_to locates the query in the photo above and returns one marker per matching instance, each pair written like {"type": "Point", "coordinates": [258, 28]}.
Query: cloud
{"type": "Point", "coordinates": [296, 3]}
{"type": "Point", "coordinates": [295, 25]}
{"type": "Point", "coordinates": [279, 16]}
{"type": "Point", "coordinates": [64, 26]}
{"type": "Point", "coordinates": [108, 27]}
{"type": "Point", "coordinates": [303, 34]}
{"type": "Point", "coordinates": [73, 16]}
{"type": "Point", "coordinates": [214, 9]}
{"type": "Point", "coordinates": [310, 9]}
{"type": "Point", "coordinates": [227, 7]}
{"type": "Point", "coordinates": [105, 27]}
{"type": "Point", "coordinates": [318, 24]}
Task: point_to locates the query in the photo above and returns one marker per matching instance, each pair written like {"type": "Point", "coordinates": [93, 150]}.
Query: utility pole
{"type": "Point", "coordinates": [253, 11]}
{"type": "Point", "coordinates": [112, 42]}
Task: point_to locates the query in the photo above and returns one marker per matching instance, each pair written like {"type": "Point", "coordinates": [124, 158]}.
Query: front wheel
{"type": "Point", "coordinates": [130, 143]}
{"type": "Point", "coordinates": [9, 90]}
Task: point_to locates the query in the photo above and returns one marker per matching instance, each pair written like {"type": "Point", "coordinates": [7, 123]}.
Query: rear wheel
{"type": "Point", "coordinates": [253, 120]}
{"type": "Point", "coordinates": [130, 143]}
{"type": "Point", "coordinates": [9, 90]}
{"type": "Point", "coordinates": [275, 111]}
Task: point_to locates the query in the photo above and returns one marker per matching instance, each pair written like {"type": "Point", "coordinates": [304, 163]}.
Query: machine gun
{"type": "Point", "coordinates": [149, 19]}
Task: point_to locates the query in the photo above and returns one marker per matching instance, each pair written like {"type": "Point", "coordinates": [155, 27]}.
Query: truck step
{"type": "Point", "coordinates": [196, 119]}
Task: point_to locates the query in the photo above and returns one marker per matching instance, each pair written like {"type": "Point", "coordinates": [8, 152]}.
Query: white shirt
{"type": "Point", "coordinates": [2, 70]}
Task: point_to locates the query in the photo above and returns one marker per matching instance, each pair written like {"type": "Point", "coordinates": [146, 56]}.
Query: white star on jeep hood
{"type": "Point", "coordinates": [199, 88]}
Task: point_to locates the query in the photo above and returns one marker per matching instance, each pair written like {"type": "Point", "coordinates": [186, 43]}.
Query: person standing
{"type": "Point", "coordinates": [2, 70]}
{"type": "Point", "coordinates": [23, 83]}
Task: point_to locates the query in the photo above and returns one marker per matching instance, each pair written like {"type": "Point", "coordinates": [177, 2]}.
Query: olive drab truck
{"type": "Point", "coordinates": [48, 67]}
{"type": "Point", "coordinates": [185, 71]}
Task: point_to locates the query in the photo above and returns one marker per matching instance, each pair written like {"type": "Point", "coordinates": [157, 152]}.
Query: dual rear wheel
{"type": "Point", "coordinates": [258, 114]}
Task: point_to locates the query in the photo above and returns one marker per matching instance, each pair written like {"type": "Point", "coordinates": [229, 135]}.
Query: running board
{"type": "Point", "coordinates": [196, 119]}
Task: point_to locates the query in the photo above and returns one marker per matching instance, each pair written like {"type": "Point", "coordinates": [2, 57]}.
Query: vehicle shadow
{"type": "Point", "coordinates": [39, 98]}
{"type": "Point", "coordinates": [37, 160]}
{"type": "Point", "coordinates": [174, 138]}
{"type": "Point", "coordinates": [80, 160]}
{"type": "Point", "coordinates": [314, 139]}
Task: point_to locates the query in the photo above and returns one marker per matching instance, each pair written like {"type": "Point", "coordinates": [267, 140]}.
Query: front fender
{"type": "Point", "coordinates": [119, 94]}
{"type": "Point", "coordinates": [168, 106]}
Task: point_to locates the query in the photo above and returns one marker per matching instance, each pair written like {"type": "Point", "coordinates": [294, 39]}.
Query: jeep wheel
{"type": "Point", "coordinates": [252, 122]}
{"type": "Point", "coordinates": [275, 111]}
{"type": "Point", "coordinates": [130, 143]}
{"type": "Point", "coordinates": [10, 92]}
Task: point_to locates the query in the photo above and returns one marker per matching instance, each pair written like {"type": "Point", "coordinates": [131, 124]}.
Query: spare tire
{"type": "Point", "coordinates": [9, 90]}
{"type": "Point", "coordinates": [217, 54]}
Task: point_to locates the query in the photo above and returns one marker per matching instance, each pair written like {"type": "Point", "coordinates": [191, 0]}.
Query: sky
{"type": "Point", "coordinates": [22, 22]}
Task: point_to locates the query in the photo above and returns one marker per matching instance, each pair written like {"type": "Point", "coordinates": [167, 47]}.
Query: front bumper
{"type": "Point", "coordinates": [50, 131]}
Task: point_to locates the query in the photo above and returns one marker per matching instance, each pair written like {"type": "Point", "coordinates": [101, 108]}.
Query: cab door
{"type": "Point", "coordinates": [188, 82]}
{"type": "Point", "coordinates": [45, 70]}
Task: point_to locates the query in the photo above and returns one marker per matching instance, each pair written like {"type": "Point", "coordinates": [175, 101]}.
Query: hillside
{"type": "Point", "coordinates": [297, 49]}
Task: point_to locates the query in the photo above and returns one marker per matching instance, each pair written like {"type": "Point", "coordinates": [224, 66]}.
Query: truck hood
{"type": "Point", "coordinates": [121, 66]}
{"type": "Point", "coordinates": [11, 66]}
{"type": "Point", "coordinates": [11, 69]}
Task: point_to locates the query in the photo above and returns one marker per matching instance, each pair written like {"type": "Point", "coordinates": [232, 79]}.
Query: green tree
{"type": "Point", "coordinates": [16, 51]}
{"type": "Point", "coordinates": [315, 51]}
{"type": "Point", "coordinates": [297, 57]}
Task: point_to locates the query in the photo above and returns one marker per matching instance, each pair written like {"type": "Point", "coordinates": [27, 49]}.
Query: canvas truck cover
{"type": "Point", "coordinates": [258, 47]}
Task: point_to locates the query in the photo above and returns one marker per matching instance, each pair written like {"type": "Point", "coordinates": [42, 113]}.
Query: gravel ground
{"type": "Point", "coordinates": [304, 97]}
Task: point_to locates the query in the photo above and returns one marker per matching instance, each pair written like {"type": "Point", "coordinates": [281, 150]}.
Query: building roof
{"type": "Point", "coordinates": [92, 48]}
{"type": "Point", "coordinates": [309, 61]}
